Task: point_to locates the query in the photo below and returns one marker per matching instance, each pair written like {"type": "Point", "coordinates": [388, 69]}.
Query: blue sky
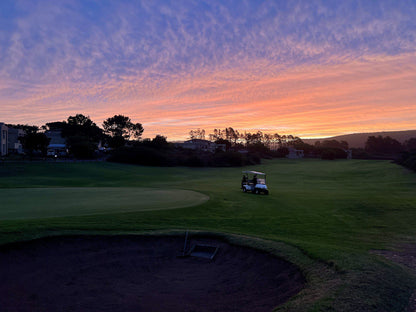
{"type": "Point", "coordinates": [178, 65]}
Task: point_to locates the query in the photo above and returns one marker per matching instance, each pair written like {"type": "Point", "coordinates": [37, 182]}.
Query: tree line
{"type": "Point", "coordinates": [122, 136]}
{"type": "Point", "coordinates": [81, 134]}
{"type": "Point", "coordinates": [404, 154]}
{"type": "Point", "coordinates": [236, 137]}
{"type": "Point", "coordinates": [266, 144]}
{"type": "Point", "coordinates": [376, 147]}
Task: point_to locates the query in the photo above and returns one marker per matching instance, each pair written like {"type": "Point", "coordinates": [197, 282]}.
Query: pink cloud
{"type": "Point", "coordinates": [316, 100]}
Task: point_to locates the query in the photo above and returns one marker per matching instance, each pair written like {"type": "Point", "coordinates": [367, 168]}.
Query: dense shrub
{"type": "Point", "coordinates": [258, 147]}
{"type": "Point", "coordinates": [408, 160]}
{"type": "Point", "coordinates": [410, 145]}
{"type": "Point", "coordinates": [383, 145]}
{"type": "Point", "coordinates": [281, 152]}
{"type": "Point", "coordinates": [328, 154]}
{"type": "Point", "coordinates": [141, 155]}
{"type": "Point", "coordinates": [333, 153]}
{"type": "Point", "coordinates": [81, 147]}
{"type": "Point", "coordinates": [252, 159]}
{"type": "Point", "coordinates": [227, 159]}
{"type": "Point", "coordinates": [194, 161]}
{"type": "Point", "coordinates": [150, 155]}
{"type": "Point", "coordinates": [360, 153]}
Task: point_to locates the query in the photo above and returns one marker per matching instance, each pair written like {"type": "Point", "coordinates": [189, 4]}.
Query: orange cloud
{"type": "Point", "coordinates": [372, 94]}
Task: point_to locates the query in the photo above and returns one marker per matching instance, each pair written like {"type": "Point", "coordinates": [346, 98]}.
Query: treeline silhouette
{"type": "Point", "coordinates": [82, 136]}
{"type": "Point", "coordinates": [158, 152]}
{"type": "Point", "coordinates": [121, 139]}
{"type": "Point", "coordinates": [408, 157]}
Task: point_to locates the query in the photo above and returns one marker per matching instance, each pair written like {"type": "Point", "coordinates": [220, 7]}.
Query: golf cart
{"type": "Point", "coordinates": [254, 182]}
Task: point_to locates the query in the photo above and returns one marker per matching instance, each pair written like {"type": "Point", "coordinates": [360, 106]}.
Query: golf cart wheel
{"type": "Point", "coordinates": [244, 190]}
{"type": "Point", "coordinates": [257, 191]}
{"type": "Point", "coordinates": [266, 192]}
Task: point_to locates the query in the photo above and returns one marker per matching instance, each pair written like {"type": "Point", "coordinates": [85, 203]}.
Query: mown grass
{"type": "Point", "coordinates": [333, 211]}
{"type": "Point", "coordinates": [78, 201]}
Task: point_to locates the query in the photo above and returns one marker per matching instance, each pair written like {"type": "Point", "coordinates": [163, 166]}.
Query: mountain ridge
{"type": "Point", "coordinates": [357, 140]}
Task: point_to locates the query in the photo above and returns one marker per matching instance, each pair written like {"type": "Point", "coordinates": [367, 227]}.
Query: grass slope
{"type": "Point", "coordinates": [335, 212]}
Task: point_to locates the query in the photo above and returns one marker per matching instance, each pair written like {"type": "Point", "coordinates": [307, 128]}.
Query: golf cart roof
{"type": "Point", "coordinates": [254, 172]}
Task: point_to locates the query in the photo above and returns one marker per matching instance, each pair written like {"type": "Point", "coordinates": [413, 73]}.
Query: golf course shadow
{"type": "Point", "coordinates": [141, 273]}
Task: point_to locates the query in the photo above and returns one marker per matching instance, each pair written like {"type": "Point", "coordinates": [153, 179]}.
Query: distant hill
{"type": "Point", "coordinates": [358, 139]}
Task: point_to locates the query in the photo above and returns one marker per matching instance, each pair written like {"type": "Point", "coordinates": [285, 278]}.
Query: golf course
{"type": "Point", "coordinates": [329, 218]}
{"type": "Point", "coordinates": [75, 201]}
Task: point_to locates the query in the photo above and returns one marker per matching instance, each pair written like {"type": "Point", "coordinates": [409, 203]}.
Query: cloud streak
{"type": "Point", "coordinates": [309, 68]}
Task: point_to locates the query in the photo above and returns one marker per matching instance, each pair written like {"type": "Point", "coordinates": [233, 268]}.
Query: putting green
{"type": "Point", "coordinates": [28, 203]}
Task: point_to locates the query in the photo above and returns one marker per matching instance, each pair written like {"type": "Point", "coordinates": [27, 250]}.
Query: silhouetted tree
{"type": "Point", "coordinates": [275, 141]}
{"type": "Point", "coordinates": [82, 126]}
{"type": "Point", "coordinates": [197, 134]}
{"type": "Point", "coordinates": [333, 153]}
{"type": "Point", "coordinates": [55, 126]}
{"type": "Point", "coordinates": [217, 134]}
{"type": "Point", "coordinates": [307, 148]}
{"type": "Point", "coordinates": [25, 128]}
{"type": "Point", "coordinates": [253, 138]}
{"type": "Point", "coordinates": [267, 139]}
{"type": "Point", "coordinates": [410, 145]}
{"type": "Point", "coordinates": [232, 135]}
{"type": "Point", "coordinates": [81, 146]}
{"type": "Point", "coordinates": [277, 138]}
{"type": "Point", "coordinates": [82, 135]}
{"type": "Point", "coordinates": [281, 152]}
{"type": "Point", "coordinates": [35, 141]}
{"type": "Point", "coordinates": [382, 145]}
{"type": "Point", "coordinates": [121, 129]}
{"type": "Point", "coordinates": [224, 141]}
{"type": "Point", "coordinates": [159, 140]}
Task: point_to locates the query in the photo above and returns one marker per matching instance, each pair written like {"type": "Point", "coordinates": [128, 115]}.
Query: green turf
{"type": "Point", "coordinates": [74, 201]}
{"type": "Point", "coordinates": [333, 211]}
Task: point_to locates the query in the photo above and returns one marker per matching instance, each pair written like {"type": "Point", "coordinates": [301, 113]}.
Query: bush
{"type": "Point", "coordinates": [408, 160]}
{"type": "Point", "coordinates": [141, 155]}
{"type": "Point", "coordinates": [252, 159]}
{"type": "Point", "coordinates": [258, 148]}
{"type": "Point", "coordinates": [227, 159]}
{"type": "Point", "coordinates": [333, 153]}
{"type": "Point", "coordinates": [281, 152]}
{"type": "Point", "coordinates": [360, 153]}
{"type": "Point", "coordinates": [328, 154]}
{"type": "Point", "coordinates": [81, 147]}
{"type": "Point", "coordinates": [149, 155]}
{"type": "Point", "coordinates": [194, 161]}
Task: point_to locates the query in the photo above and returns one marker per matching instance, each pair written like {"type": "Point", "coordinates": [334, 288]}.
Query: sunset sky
{"type": "Point", "coordinates": [307, 68]}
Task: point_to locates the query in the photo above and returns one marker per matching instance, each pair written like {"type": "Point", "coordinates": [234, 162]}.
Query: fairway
{"type": "Point", "coordinates": [28, 203]}
{"type": "Point", "coordinates": [326, 217]}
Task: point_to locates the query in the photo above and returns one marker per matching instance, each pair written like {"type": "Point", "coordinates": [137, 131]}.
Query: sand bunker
{"type": "Point", "coordinates": [140, 273]}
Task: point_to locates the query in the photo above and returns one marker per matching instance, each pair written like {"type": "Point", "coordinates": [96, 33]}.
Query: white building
{"type": "Point", "coordinates": [201, 145]}
{"type": "Point", "coordinates": [4, 139]}
{"type": "Point", "coordinates": [15, 147]}
{"type": "Point", "coordinates": [295, 153]}
{"type": "Point", "coordinates": [57, 144]}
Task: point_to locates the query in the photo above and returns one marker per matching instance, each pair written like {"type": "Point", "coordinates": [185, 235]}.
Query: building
{"type": "Point", "coordinates": [57, 144]}
{"type": "Point", "coordinates": [14, 144]}
{"type": "Point", "coordinates": [201, 145]}
{"type": "Point", "coordinates": [349, 153]}
{"type": "Point", "coordinates": [294, 153]}
{"type": "Point", "coordinates": [4, 139]}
